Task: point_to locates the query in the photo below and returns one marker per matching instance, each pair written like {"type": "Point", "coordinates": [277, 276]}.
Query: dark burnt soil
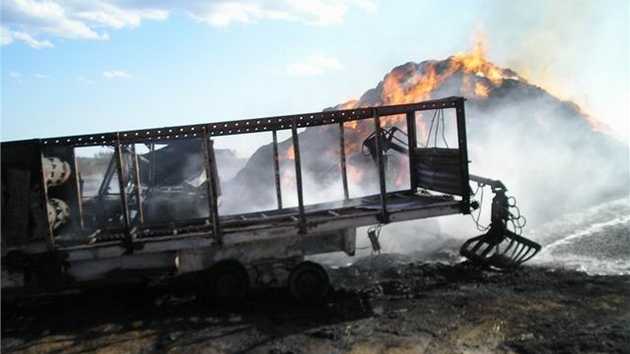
{"type": "Point", "coordinates": [398, 308]}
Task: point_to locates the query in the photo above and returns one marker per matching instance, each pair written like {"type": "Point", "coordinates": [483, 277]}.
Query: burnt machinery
{"type": "Point", "coordinates": [162, 201]}
{"type": "Point", "coordinates": [501, 246]}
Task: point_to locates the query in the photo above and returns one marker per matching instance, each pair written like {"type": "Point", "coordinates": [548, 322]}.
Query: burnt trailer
{"type": "Point", "coordinates": [156, 204]}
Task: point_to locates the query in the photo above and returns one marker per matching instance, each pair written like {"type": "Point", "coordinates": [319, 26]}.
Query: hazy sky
{"type": "Point", "coordinates": [76, 67]}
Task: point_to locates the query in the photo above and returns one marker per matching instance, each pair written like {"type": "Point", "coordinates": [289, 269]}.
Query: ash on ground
{"type": "Point", "coordinates": [380, 305]}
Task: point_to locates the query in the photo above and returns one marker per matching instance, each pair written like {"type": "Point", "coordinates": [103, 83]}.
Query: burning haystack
{"type": "Point", "coordinates": [553, 155]}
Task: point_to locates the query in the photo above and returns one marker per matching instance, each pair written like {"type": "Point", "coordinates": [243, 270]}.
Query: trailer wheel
{"type": "Point", "coordinates": [228, 282]}
{"type": "Point", "coordinates": [309, 281]}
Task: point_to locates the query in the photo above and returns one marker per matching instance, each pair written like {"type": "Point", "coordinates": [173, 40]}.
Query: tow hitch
{"type": "Point", "coordinates": [499, 247]}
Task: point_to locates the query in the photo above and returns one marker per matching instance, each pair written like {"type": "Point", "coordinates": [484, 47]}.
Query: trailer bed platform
{"type": "Point", "coordinates": [278, 223]}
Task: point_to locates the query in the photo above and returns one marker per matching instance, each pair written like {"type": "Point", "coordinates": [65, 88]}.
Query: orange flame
{"type": "Point", "coordinates": [355, 174]}
{"type": "Point", "coordinates": [481, 90]}
{"type": "Point", "coordinates": [290, 153]}
{"type": "Point", "coordinates": [418, 82]}
{"type": "Point", "coordinates": [413, 83]}
{"type": "Point", "coordinates": [288, 179]}
{"type": "Point", "coordinates": [476, 63]}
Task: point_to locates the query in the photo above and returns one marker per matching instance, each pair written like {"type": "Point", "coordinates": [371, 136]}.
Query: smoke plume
{"type": "Point", "coordinates": [545, 150]}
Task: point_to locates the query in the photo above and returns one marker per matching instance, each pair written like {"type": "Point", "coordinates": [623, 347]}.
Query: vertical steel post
{"type": "Point", "coordinates": [43, 195]}
{"type": "Point", "coordinates": [276, 168]}
{"type": "Point", "coordinates": [298, 176]}
{"type": "Point", "coordinates": [77, 178]}
{"type": "Point", "coordinates": [412, 143]}
{"type": "Point", "coordinates": [152, 165]}
{"type": "Point", "coordinates": [342, 155]}
{"type": "Point", "coordinates": [384, 217]}
{"type": "Point", "coordinates": [463, 153]}
{"type": "Point", "coordinates": [212, 185]}
{"type": "Point", "coordinates": [136, 168]}
{"type": "Point", "coordinates": [123, 194]}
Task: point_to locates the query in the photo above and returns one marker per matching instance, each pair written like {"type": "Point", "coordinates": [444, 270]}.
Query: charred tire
{"type": "Point", "coordinates": [309, 281]}
{"type": "Point", "coordinates": [227, 283]}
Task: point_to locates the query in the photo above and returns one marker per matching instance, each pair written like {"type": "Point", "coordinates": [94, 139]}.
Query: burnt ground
{"type": "Point", "coordinates": [397, 308]}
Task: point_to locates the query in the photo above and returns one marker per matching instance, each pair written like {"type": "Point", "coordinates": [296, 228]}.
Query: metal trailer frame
{"type": "Point", "coordinates": [250, 238]}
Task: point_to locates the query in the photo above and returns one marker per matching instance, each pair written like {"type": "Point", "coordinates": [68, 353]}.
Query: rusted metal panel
{"type": "Point", "coordinates": [24, 209]}
{"type": "Point", "coordinates": [439, 169]}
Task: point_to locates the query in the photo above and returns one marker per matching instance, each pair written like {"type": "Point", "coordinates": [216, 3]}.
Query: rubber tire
{"type": "Point", "coordinates": [309, 282]}
{"type": "Point", "coordinates": [227, 283]}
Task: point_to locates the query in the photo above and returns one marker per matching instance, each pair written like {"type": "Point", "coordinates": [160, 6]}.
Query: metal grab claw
{"type": "Point", "coordinates": [499, 247]}
{"type": "Point", "coordinates": [504, 252]}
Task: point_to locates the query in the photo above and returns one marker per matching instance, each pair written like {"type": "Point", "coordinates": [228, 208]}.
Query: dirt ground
{"type": "Point", "coordinates": [393, 307]}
